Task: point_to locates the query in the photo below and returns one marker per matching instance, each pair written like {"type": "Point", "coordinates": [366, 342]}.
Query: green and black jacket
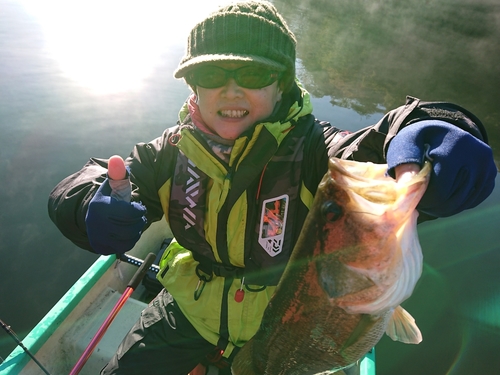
{"type": "Point", "coordinates": [235, 224]}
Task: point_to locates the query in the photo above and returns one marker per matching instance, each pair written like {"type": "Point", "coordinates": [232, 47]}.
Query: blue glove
{"type": "Point", "coordinates": [113, 226]}
{"type": "Point", "coordinates": [463, 172]}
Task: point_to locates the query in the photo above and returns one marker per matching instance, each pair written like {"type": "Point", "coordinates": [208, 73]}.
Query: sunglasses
{"type": "Point", "coordinates": [250, 77]}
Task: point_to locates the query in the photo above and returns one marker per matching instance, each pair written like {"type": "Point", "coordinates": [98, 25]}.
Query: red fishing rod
{"type": "Point", "coordinates": [134, 282]}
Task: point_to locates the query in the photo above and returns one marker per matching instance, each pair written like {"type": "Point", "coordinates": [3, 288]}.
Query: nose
{"type": "Point", "coordinates": [231, 89]}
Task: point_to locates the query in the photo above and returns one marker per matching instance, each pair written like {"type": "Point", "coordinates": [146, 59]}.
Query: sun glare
{"type": "Point", "coordinates": [111, 46]}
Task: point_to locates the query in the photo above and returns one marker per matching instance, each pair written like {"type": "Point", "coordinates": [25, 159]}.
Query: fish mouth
{"type": "Point", "coordinates": [363, 182]}
{"type": "Point", "coordinates": [233, 113]}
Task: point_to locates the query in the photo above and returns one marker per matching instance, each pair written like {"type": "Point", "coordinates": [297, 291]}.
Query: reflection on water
{"type": "Point", "coordinates": [368, 55]}
{"type": "Point", "coordinates": [110, 46]}
{"type": "Point", "coordinates": [92, 78]}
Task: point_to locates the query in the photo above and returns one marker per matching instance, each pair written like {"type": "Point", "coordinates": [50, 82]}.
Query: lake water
{"type": "Point", "coordinates": [92, 78]}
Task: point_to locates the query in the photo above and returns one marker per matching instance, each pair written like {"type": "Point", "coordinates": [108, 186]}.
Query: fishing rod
{"type": "Point", "coordinates": [12, 334]}
{"type": "Point", "coordinates": [134, 282]}
{"type": "Point", "coordinates": [137, 262]}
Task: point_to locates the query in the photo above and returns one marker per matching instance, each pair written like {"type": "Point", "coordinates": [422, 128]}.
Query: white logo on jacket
{"type": "Point", "coordinates": [192, 190]}
{"type": "Point", "coordinates": [272, 224]}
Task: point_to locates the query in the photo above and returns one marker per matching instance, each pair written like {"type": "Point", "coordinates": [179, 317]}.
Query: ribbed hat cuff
{"type": "Point", "coordinates": [239, 36]}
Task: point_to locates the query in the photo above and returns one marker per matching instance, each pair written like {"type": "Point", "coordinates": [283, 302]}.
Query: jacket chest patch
{"type": "Point", "coordinates": [272, 224]}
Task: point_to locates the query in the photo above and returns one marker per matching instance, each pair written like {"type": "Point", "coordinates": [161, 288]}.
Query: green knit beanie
{"type": "Point", "coordinates": [250, 31]}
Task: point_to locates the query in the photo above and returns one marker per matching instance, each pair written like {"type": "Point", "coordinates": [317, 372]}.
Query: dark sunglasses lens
{"type": "Point", "coordinates": [210, 77]}
{"type": "Point", "coordinates": [255, 77]}
{"type": "Point", "coordinates": [250, 77]}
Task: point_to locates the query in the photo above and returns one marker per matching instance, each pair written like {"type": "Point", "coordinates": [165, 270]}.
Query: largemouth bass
{"type": "Point", "coordinates": [358, 257]}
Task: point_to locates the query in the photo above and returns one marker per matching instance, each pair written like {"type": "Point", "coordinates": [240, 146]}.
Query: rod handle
{"type": "Point", "coordinates": [138, 276]}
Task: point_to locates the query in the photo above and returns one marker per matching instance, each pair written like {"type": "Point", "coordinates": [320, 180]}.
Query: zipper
{"type": "Point", "coordinates": [229, 175]}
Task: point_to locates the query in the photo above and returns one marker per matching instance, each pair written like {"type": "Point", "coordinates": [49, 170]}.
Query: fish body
{"type": "Point", "coordinates": [357, 258]}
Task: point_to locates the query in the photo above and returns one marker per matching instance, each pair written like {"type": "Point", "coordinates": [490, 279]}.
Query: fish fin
{"type": "Point", "coordinates": [402, 327]}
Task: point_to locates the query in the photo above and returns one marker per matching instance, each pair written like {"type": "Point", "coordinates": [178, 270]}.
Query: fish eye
{"type": "Point", "coordinates": [331, 211]}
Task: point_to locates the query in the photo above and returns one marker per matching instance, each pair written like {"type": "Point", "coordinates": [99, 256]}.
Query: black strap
{"type": "Point", "coordinates": [224, 319]}
{"type": "Point", "coordinates": [210, 267]}
{"type": "Point", "coordinates": [226, 271]}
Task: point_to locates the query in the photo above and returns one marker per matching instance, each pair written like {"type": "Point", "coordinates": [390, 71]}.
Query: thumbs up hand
{"type": "Point", "coordinates": [116, 168]}
{"type": "Point", "coordinates": [114, 224]}
{"type": "Point", "coordinates": [118, 179]}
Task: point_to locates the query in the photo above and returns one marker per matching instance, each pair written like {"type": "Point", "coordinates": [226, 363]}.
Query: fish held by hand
{"type": "Point", "coordinates": [357, 259]}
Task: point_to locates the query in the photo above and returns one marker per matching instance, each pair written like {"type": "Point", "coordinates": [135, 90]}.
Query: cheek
{"type": "Point", "coordinates": [271, 98]}
{"type": "Point", "coordinates": [274, 96]}
{"type": "Point", "coordinates": [205, 107]}
{"type": "Point", "coordinates": [268, 96]}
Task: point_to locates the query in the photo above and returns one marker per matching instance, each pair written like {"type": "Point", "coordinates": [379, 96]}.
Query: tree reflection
{"type": "Point", "coordinates": [368, 55]}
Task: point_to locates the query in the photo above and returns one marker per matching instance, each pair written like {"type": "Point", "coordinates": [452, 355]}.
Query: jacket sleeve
{"type": "Point", "coordinates": [371, 143]}
{"type": "Point", "coordinates": [69, 200]}
{"type": "Point", "coordinates": [150, 166]}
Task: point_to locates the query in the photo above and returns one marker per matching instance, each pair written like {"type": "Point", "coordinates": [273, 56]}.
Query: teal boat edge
{"type": "Point", "coordinates": [16, 361]}
{"type": "Point", "coordinates": [367, 365]}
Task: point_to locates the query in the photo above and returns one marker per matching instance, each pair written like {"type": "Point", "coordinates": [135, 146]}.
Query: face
{"type": "Point", "coordinates": [230, 110]}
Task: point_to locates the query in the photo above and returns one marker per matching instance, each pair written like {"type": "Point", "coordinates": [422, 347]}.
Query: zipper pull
{"type": "Point", "coordinates": [240, 293]}
{"type": "Point", "coordinates": [199, 289]}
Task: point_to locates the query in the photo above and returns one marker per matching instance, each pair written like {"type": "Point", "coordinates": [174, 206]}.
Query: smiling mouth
{"type": "Point", "coordinates": [233, 113]}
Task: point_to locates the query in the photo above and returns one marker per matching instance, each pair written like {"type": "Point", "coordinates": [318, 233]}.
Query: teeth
{"type": "Point", "coordinates": [233, 113]}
